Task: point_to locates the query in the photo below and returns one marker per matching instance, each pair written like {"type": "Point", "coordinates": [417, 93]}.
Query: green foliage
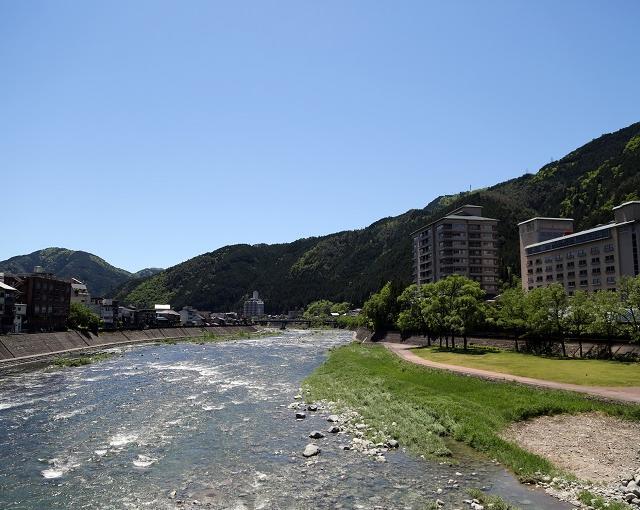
{"type": "Point", "coordinates": [351, 321]}
{"type": "Point", "coordinates": [510, 312]}
{"type": "Point", "coordinates": [81, 317]}
{"type": "Point", "coordinates": [319, 309]}
{"type": "Point", "coordinates": [81, 360]}
{"type": "Point", "coordinates": [421, 407]}
{"type": "Point", "coordinates": [381, 309]}
{"type": "Point", "coordinates": [489, 501]}
{"type": "Point", "coordinates": [599, 503]}
{"type": "Point", "coordinates": [341, 308]}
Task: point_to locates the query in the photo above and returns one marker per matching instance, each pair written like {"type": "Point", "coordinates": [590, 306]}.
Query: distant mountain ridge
{"type": "Point", "coordinates": [348, 266]}
{"type": "Point", "coordinates": [100, 276]}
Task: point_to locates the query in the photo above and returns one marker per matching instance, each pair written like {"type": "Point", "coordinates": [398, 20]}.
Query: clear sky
{"type": "Point", "coordinates": [148, 132]}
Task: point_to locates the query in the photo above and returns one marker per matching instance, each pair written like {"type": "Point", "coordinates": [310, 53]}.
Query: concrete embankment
{"type": "Point", "coordinates": [35, 345]}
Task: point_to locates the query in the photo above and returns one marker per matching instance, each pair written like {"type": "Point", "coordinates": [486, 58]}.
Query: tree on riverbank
{"type": "Point", "coordinates": [455, 307]}
{"type": "Point", "coordinates": [82, 318]}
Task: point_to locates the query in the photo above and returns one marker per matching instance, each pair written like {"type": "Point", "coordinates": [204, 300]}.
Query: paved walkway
{"type": "Point", "coordinates": [622, 394]}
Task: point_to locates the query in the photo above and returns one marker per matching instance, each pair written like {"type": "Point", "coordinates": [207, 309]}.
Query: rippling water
{"type": "Point", "coordinates": [209, 422]}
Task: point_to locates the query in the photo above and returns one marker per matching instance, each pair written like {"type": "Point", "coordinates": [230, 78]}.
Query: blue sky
{"type": "Point", "coordinates": [149, 132]}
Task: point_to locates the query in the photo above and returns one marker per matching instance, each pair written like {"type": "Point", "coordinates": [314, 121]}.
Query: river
{"type": "Point", "coordinates": [211, 423]}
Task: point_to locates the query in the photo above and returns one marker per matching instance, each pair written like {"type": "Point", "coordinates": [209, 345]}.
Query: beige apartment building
{"type": "Point", "coordinates": [462, 242]}
{"type": "Point", "coordinates": [591, 260]}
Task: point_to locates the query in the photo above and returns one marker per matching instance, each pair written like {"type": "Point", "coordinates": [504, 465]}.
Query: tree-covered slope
{"type": "Point", "coordinates": [348, 266]}
{"type": "Point", "coordinates": [100, 276]}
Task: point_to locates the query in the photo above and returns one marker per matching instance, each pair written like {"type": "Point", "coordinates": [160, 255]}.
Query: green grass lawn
{"type": "Point", "coordinates": [430, 406]}
{"type": "Point", "coordinates": [588, 372]}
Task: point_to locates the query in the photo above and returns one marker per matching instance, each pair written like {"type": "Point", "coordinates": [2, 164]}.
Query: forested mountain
{"type": "Point", "coordinates": [348, 266]}
{"type": "Point", "coordinates": [100, 276]}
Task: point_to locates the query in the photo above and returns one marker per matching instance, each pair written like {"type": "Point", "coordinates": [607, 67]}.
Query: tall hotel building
{"type": "Point", "coordinates": [593, 259]}
{"type": "Point", "coordinates": [464, 243]}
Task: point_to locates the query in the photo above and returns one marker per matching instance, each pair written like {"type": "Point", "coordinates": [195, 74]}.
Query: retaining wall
{"type": "Point", "coordinates": [27, 345]}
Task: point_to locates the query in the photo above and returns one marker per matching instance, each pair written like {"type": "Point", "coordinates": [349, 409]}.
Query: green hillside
{"type": "Point", "coordinates": [348, 266]}
{"type": "Point", "coordinates": [100, 276]}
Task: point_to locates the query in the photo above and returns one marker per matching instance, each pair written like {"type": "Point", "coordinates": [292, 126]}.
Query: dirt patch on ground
{"type": "Point", "coordinates": [592, 446]}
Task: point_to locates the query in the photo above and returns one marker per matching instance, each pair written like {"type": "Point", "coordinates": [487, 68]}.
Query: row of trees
{"type": "Point", "coordinates": [456, 306]}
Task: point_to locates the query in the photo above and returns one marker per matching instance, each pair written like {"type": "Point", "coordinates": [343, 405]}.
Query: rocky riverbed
{"type": "Point", "coordinates": [185, 425]}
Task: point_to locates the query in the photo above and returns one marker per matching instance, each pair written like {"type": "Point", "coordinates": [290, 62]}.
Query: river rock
{"type": "Point", "coordinates": [392, 443]}
{"type": "Point", "coordinates": [300, 415]}
{"type": "Point", "coordinates": [312, 407]}
{"type": "Point", "coordinates": [316, 434]}
{"type": "Point", "coordinates": [334, 429]}
{"type": "Point", "coordinates": [333, 418]}
{"type": "Point", "coordinates": [310, 450]}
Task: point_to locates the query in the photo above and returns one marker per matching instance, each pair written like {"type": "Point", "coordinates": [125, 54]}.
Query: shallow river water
{"type": "Point", "coordinates": [211, 423]}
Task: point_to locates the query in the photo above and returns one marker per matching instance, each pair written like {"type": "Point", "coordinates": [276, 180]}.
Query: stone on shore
{"type": "Point", "coordinates": [333, 418]}
{"type": "Point", "coordinates": [333, 430]}
{"type": "Point", "coordinates": [316, 434]}
{"type": "Point", "coordinates": [310, 450]}
{"type": "Point", "coordinates": [300, 415]}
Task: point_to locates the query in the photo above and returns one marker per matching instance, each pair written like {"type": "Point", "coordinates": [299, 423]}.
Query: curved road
{"type": "Point", "coordinates": [629, 394]}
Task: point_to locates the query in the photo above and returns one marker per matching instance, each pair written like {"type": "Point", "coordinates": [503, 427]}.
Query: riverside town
{"type": "Point", "coordinates": [300, 256]}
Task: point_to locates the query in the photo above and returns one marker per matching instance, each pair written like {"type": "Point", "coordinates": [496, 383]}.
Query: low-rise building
{"type": "Point", "coordinates": [463, 242]}
{"type": "Point", "coordinates": [79, 292]}
{"type": "Point", "coordinates": [189, 316]}
{"type": "Point", "coordinates": [20, 314]}
{"type": "Point", "coordinates": [254, 306]}
{"type": "Point", "coordinates": [107, 310]}
{"type": "Point", "coordinates": [46, 297]}
{"type": "Point", "coordinates": [593, 259]}
{"type": "Point", "coordinates": [7, 306]}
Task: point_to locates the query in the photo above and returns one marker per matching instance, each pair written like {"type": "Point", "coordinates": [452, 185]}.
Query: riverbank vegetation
{"type": "Point", "coordinates": [214, 337]}
{"type": "Point", "coordinates": [589, 372]}
{"type": "Point", "coordinates": [455, 307]}
{"type": "Point", "coordinates": [424, 409]}
{"type": "Point", "coordinates": [80, 359]}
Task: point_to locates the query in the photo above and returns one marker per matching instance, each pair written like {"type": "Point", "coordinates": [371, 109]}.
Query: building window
{"type": "Point", "coordinates": [596, 281]}
{"type": "Point", "coordinates": [584, 283]}
{"type": "Point", "coordinates": [609, 258]}
{"type": "Point", "coordinates": [571, 264]}
{"type": "Point", "coordinates": [549, 277]}
{"type": "Point", "coordinates": [595, 250]}
{"type": "Point", "coordinates": [559, 276]}
{"type": "Point", "coordinates": [571, 274]}
{"type": "Point", "coordinates": [611, 280]}
{"type": "Point", "coordinates": [548, 268]}
{"type": "Point", "coordinates": [538, 262]}
{"type": "Point", "coordinates": [571, 284]}
{"type": "Point", "coordinates": [610, 269]}
{"type": "Point", "coordinates": [582, 253]}
{"type": "Point", "coordinates": [558, 257]}
{"type": "Point", "coordinates": [570, 255]}
{"type": "Point", "coordinates": [538, 278]}
{"type": "Point", "coordinates": [595, 270]}
{"type": "Point", "coordinates": [595, 260]}
{"type": "Point", "coordinates": [608, 247]}
{"type": "Point", "coordinates": [583, 272]}
{"type": "Point", "coordinates": [559, 267]}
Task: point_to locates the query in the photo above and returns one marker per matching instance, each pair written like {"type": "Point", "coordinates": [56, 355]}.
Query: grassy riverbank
{"type": "Point", "coordinates": [424, 408]}
{"type": "Point", "coordinates": [590, 372]}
